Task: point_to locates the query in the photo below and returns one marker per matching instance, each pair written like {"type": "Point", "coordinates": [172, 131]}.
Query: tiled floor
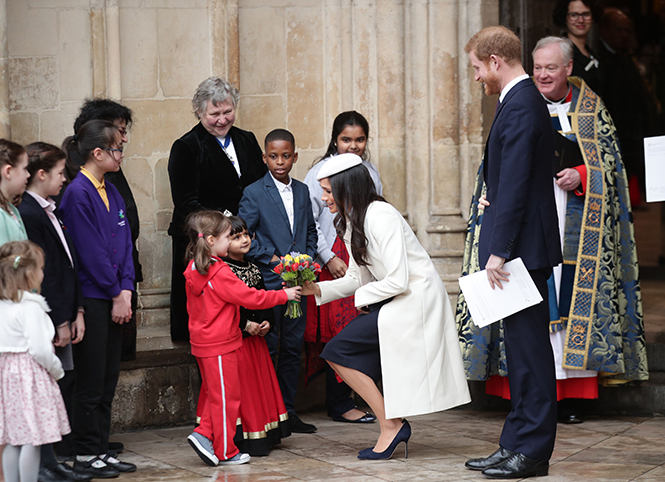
{"type": "Point", "coordinates": [601, 449]}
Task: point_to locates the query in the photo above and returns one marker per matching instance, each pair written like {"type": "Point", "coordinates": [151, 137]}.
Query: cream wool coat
{"type": "Point", "coordinates": [421, 360]}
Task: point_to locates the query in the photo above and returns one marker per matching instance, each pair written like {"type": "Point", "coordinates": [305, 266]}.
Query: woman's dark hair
{"type": "Point", "coordinates": [93, 134]}
{"type": "Point", "coordinates": [354, 191]}
{"type": "Point", "coordinates": [341, 122]}
{"type": "Point", "coordinates": [42, 155]}
{"type": "Point", "coordinates": [10, 152]}
{"type": "Point", "coordinates": [94, 109]}
{"type": "Point", "coordinates": [561, 11]}
{"type": "Point", "coordinates": [103, 109]}
{"type": "Point", "coordinates": [238, 225]}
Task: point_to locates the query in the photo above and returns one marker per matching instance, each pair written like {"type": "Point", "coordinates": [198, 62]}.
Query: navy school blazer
{"type": "Point", "coordinates": [521, 220]}
{"type": "Point", "coordinates": [262, 209]}
{"type": "Point", "coordinates": [61, 286]}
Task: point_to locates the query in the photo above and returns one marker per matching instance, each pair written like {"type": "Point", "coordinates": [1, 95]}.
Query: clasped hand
{"type": "Point", "coordinates": [122, 307]}
{"type": "Point", "coordinates": [337, 267]}
{"type": "Point", "coordinates": [254, 328]}
{"type": "Point", "coordinates": [568, 179]}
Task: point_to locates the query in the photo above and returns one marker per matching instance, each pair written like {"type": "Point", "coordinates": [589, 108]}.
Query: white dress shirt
{"type": "Point", "coordinates": [230, 151]}
{"type": "Point", "coordinates": [286, 193]}
{"type": "Point", "coordinates": [49, 207]}
{"type": "Point", "coordinates": [510, 85]}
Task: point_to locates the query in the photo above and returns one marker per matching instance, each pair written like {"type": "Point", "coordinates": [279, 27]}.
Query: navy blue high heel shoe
{"type": "Point", "coordinates": [403, 435]}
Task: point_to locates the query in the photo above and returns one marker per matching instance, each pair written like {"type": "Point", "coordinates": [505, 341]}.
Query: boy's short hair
{"type": "Point", "coordinates": [279, 135]}
{"type": "Point", "coordinates": [497, 40]}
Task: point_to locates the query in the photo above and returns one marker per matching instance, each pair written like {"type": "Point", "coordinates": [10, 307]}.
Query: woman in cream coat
{"type": "Point", "coordinates": [404, 308]}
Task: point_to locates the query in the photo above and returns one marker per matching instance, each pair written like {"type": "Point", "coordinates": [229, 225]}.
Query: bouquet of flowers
{"type": "Point", "coordinates": [295, 269]}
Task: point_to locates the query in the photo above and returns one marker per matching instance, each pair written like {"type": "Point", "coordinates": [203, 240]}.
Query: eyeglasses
{"type": "Point", "coordinates": [114, 150]}
{"type": "Point", "coordinates": [574, 16]}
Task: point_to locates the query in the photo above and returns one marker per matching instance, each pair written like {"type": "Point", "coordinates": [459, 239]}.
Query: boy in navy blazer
{"type": "Point", "coordinates": [278, 212]}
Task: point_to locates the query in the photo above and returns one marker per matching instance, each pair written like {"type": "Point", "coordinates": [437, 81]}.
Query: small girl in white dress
{"type": "Point", "coordinates": [32, 412]}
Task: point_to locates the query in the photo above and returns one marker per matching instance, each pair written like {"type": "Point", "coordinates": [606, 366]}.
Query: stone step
{"type": "Point", "coordinates": [161, 387]}
{"type": "Point", "coordinates": [639, 399]}
{"type": "Point", "coordinates": [656, 357]}
{"type": "Point", "coordinates": [646, 398]}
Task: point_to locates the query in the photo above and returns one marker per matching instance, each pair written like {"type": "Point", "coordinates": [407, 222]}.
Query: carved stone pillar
{"type": "Point", "coordinates": [5, 129]}
{"type": "Point", "coordinates": [444, 124]}
{"type": "Point", "coordinates": [225, 42]}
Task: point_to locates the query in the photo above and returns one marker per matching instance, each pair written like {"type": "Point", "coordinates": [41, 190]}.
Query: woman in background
{"type": "Point", "coordinates": [576, 18]}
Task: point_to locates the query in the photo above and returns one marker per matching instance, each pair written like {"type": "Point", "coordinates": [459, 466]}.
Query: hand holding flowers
{"type": "Point", "coordinates": [295, 269]}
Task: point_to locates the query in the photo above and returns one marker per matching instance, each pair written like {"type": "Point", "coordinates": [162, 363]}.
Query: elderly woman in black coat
{"type": "Point", "coordinates": [208, 168]}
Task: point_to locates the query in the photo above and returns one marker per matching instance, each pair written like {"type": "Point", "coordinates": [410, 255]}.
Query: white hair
{"type": "Point", "coordinates": [565, 47]}
{"type": "Point", "coordinates": [215, 90]}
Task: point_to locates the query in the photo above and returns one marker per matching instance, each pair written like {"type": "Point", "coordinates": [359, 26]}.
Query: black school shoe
{"type": "Point", "coordinates": [122, 467]}
{"type": "Point", "coordinates": [298, 426]}
{"type": "Point", "coordinates": [95, 467]}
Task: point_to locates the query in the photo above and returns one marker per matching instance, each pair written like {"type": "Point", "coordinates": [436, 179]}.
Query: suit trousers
{"type": "Point", "coordinates": [97, 366]}
{"type": "Point", "coordinates": [221, 405]}
{"type": "Point", "coordinates": [67, 385]}
{"type": "Point", "coordinates": [285, 344]}
{"type": "Point", "coordinates": [530, 427]}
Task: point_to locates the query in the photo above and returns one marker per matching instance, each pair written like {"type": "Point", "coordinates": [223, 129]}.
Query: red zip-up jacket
{"type": "Point", "coordinates": [213, 302]}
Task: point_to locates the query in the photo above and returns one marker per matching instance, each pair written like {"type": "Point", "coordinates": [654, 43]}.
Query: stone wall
{"type": "Point", "coordinates": [297, 63]}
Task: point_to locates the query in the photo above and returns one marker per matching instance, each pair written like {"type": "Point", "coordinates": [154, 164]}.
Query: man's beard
{"type": "Point", "coordinates": [492, 84]}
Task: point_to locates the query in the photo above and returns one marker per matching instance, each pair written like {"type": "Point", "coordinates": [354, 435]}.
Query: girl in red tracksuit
{"type": "Point", "coordinates": [214, 294]}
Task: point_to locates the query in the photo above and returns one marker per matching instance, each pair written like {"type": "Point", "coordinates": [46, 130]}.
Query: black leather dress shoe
{"type": "Point", "coordinates": [66, 471]}
{"type": "Point", "coordinates": [571, 418]}
{"type": "Point", "coordinates": [122, 467]}
{"type": "Point", "coordinates": [48, 475]}
{"type": "Point", "coordinates": [517, 466]}
{"type": "Point", "coordinates": [298, 426]}
{"type": "Point", "coordinates": [485, 462]}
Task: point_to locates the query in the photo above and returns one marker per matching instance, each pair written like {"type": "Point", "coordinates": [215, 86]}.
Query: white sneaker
{"type": "Point", "coordinates": [203, 447]}
{"type": "Point", "coordinates": [237, 459]}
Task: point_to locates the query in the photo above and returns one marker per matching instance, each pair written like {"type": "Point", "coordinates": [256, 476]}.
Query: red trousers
{"type": "Point", "coordinates": [219, 402]}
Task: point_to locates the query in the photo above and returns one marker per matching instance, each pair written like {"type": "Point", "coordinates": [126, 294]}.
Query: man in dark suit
{"type": "Point", "coordinates": [519, 222]}
{"type": "Point", "coordinates": [209, 167]}
{"type": "Point", "coordinates": [278, 212]}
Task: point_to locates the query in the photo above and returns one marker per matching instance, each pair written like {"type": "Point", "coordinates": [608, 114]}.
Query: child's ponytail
{"type": "Point", "coordinates": [93, 134]}
{"type": "Point", "coordinates": [198, 227]}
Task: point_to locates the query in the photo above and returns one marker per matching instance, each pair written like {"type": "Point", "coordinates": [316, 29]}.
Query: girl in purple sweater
{"type": "Point", "coordinates": [94, 214]}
